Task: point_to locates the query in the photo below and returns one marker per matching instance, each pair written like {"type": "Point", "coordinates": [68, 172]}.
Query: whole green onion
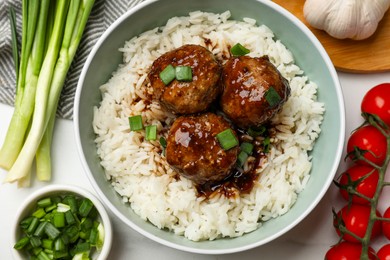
{"type": "Point", "coordinates": [47, 50]}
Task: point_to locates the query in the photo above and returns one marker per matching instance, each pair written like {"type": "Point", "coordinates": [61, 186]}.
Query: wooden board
{"type": "Point", "coordinates": [365, 56]}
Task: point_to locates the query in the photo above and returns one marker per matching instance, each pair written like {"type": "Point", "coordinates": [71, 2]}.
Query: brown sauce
{"type": "Point", "coordinates": [238, 182]}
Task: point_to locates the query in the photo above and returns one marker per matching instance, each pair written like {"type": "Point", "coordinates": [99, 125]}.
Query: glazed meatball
{"type": "Point", "coordinates": [246, 81]}
{"type": "Point", "coordinates": [194, 151]}
{"type": "Point", "coordinates": [182, 97]}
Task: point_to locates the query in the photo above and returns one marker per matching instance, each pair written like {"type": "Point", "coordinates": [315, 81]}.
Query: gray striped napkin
{"type": "Point", "coordinates": [104, 13]}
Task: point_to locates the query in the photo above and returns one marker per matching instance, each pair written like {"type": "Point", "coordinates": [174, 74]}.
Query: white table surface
{"type": "Point", "coordinates": [308, 240]}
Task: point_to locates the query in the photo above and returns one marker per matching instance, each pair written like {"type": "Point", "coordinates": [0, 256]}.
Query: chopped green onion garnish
{"type": "Point", "coordinates": [51, 208]}
{"type": "Point", "coordinates": [72, 202]}
{"type": "Point", "coordinates": [39, 213]}
{"type": "Point", "coordinates": [43, 203]}
{"type": "Point", "coordinates": [61, 207]}
{"type": "Point", "coordinates": [73, 233]}
{"type": "Point", "coordinates": [69, 217]}
{"type": "Point", "coordinates": [163, 142]}
{"type": "Point", "coordinates": [85, 234]}
{"type": "Point", "coordinates": [60, 254]}
{"type": "Point", "coordinates": [33, 225]}
{"type": "Point", "coordinates": [85, 207]}
{"type": "Point", "coordinates": [101, 234]}
{"type": "Point", "coordinates": [183, 73]}
{"type": "Point", "coordinates": [43, 256]}
{"type": "Point", "coordinates": [51, 231]}
{"type": "Point", "coordinates": [94, 236]}
{"type": "Point", "coordinates": [22, 243]}
{"type": "Point", "coordinates": [151, 132]}
{"type": "Point", "coordinates": [81, 247]}
{"type": "Point", "coordinates": [65, 237]}
{"type": "Point", "coordinates": [47, 243]}
{"type": "Point", "coordinates": [36, 250]}
{"type": "Point", "coordinates": [255, 131]}
{"type": "Point", "coordinates": [86, 224]}
{"type": "Point", "coordinates": [35, 241]}
{"type": "Point", "coordinates": [246, 147]}
{"type": "Point", "coordinates": [272, 97]}
{"type": "Point", "coordinates": [241, 159]}
{"type": "Point", "coordinates": [40, 230]}
{"type": "Point", "coordinates": [239, 50]}
{"type": "Point", "coordinates": [59, 244]}
{"type": "Point", "coordinates": [60, 234]}
{"type": "Point", "coordinates": [266, 144]}
{"type": "Point", "coordinates": [168, 74]}
{"type": "Point", "coordinates": [25, 223]}
{"type": "Point", "coordinates": [59, 219]}
{"type": "Point", "coordinates": [81, 256]}
{"type": "Point", "coordinates": [227, 139]}
{"type": "Point", "coordinates": [56, 199]}
{"type": "Point", "coordinates": [136, 123]}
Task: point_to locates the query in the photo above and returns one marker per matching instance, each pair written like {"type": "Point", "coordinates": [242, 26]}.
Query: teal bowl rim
{"type": "Point", "coordinates": [340, 141]}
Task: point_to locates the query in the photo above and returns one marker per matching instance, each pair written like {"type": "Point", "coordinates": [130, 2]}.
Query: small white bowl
{"type": "Point", "coordinates": [29, 204]}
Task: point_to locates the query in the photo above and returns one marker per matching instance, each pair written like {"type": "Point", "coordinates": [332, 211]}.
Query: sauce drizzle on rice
{"type": "Point", "coordinates": [138, 172]}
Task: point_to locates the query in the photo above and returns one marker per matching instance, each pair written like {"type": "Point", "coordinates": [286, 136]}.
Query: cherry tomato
{"type": "Point", "coordinates": [347, 251]}
{"type": "Point", "coordinates": [377, 101]}
{"type": "Point", "coordinates": [386, 224]}
{"type": "Point", "coordinates": [355, 218]}
{"type": "Point", "coordinates": [372, 141]}
{"type": "Point", "coordinates": [384, 252]}
{"type": "Point", "coordinates": [366, 186]}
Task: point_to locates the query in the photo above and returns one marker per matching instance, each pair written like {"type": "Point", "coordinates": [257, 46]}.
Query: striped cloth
{"type": "Point", "coordinates": [104, 13]}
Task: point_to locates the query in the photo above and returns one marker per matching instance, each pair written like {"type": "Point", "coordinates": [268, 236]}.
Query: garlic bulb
{"type": "Point", "coordinates": [355, 19]}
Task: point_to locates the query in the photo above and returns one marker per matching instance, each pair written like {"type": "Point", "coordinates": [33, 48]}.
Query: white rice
{"type": "Point", "coordinates": [140, 174]}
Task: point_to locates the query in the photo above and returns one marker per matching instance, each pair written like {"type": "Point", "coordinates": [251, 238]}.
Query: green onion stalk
{"type": "Point", "coordinates": [358, 154]}
{"type": "Point", "coordinates": [77, 18]}
{"type": "Point", "coordinates": [26, 80]}
{"type": "Point", "coordinates": [59, 49]}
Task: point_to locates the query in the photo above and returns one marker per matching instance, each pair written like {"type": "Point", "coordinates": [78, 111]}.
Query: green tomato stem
{"type": "Point", "coordinates": [375, 200]}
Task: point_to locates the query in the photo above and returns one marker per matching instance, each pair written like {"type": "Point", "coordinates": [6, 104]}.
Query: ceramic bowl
{"type": "Point", "coordinates": [309, 55]}
{"type": "Point", "coordinates": [28, 206]}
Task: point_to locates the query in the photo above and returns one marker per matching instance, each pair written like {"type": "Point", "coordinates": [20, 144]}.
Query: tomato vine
{"type": "Point", "coordinates": [360, 156]}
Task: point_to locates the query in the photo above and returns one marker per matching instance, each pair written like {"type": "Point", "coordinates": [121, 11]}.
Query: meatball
{"type": "Point", "coordinates": [193, 149]}
{"type": "Point", "coordinates": [182, 97]}
{"type": "Point", "coordinates": [246, 81]}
